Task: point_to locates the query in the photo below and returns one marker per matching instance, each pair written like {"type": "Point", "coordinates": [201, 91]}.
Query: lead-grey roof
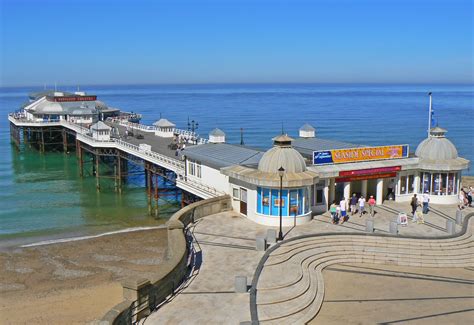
{"type": "Point", "coordinates": [100, 126]}
{"type": "Point", "coordinates": [307, 127]}
{"type": "Point", "coordinates": [217, 133]}
{"type": "Point", "coordinates": [164, 123]}
{"type": "Point", "coordinates": [218, 155]}
{"type": "Point", "coordinates": [306, 146]}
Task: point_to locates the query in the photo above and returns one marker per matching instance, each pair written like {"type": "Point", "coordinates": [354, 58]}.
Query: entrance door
{"type": "Point", "coordinates": [243, 201]}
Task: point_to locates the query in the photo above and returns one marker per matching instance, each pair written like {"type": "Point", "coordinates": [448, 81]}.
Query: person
{"type": "Point", "coordinates": [426, 201]}
{"type": "Point", "coordinates": [337, 215]}
{"type": "Point", "coordinates": [461, 200]}
{"type": "Point", "coordinates": [469, 196]}
{"type": "Point", "coordinates": [414, 205]}
{"type": "Point", "coordinates": [361, 205]}
{"type": "Point", "coordinates": [371, 205]}
{"type": "Point", "coordinates": [343, 206]}
{"type": "Point", "coordinates": [353, 204]}
{"type": "Point", "coordinates": [333, 210]}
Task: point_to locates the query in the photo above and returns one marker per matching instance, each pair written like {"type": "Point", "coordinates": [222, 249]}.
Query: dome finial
{"type": "Point", "coordinates": [282, 140]}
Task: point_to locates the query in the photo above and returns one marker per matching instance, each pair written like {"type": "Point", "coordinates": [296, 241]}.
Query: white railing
{"type": "Point", "coordinates": [209, 190]}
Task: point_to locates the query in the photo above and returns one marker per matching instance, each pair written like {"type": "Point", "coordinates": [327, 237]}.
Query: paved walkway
{"type": "Point", "coordinates": [226, 243]}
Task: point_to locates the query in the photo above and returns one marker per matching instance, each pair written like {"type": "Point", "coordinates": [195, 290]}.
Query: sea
{"type": "Point", "coordinates": [43, 197]}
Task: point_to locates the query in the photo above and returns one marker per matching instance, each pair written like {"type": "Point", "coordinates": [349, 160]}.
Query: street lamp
{"type": "Point", "coordinates": [281, 172]}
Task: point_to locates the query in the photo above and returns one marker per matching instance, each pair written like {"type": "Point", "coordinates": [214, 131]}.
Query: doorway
{"type": "Point", "coordinates": [243, 201]}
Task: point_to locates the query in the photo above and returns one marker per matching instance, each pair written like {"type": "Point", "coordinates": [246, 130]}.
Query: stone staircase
{"type": "Point", "coordinates": [290, 287]}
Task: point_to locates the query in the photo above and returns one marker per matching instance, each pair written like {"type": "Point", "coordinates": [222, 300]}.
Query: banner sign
{"type": "Point", "coordinates": [364, 177]}
{"type": "Point", "coordinates": [72, 98]}
{"type": "Point", "coordinates": [370, 171]}
{"type": "Point", "coordinates": [341, 156]}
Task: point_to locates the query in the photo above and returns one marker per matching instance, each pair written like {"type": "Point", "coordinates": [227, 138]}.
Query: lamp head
{"type": "Point", "coordinates": [281, 171]}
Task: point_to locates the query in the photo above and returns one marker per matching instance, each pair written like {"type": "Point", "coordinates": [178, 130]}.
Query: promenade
{"type": "Point", "coordinates": [226, 248]}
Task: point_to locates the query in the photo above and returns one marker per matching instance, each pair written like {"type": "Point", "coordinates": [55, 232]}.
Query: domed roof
{"type": "Point", "coordinates": [282, 155]}
{"type": "Point", "coordinates": [217, 133]}
{"type": "Point", "coordinates": [436, 146]}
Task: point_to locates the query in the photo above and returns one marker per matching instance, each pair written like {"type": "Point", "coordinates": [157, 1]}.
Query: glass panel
{"type": "Point", "coordinates": [411, 183]}
{"type": "Point", "coordinates": [443, 183]}
{"type": "Point", "coordinates": [235, 193]}
{"type": "Point", "coordinates": [266, 201]}
{"type": "Point", "coordinates": [307, 206]}
{"type": "Point", "coordinates": [243, 195]}
{"type": "Point", "coordinates": [293, 202]}
{"type": "Point", "coordinates": [426, 182]}
{"type": "Point", "coordinates": [300, 201]}
{"type": "Point", "coordinates": [450, 183]}
{"type": "Point", "coordinates": [403, 185]}
{"type": "Point", "coordinates": [436, 184]}
{"type": "Point", "coordinates": [259, 200]}
{"type": "Point", "coordinates": [284, 203]}
{"type": "Point", "coordinates": [319, 196]}
{"type": "Point", "coordinates": [274, 203]}
{"type": "Point", "coordinates": [456, 177]}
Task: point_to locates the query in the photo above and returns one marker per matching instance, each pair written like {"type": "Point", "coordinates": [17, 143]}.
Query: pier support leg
{"type": "Point", "coordinates": [97, 158]}
{"type": "Point", "coordinates": [64, 134]}
{"type": "Point", "coordinates": [119, 173]}
{"type": "Point", "coordinates": [81, 158]}
{"type": "Point", "coordinates": [42, 141]}
{"type": "Point", "coordinates": [156, 195]}
{"type": "Point", "coordinates": [149, 186]}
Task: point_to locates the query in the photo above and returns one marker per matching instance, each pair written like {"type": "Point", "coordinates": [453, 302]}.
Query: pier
{"type": "Point", "coordinates": [119, 156]}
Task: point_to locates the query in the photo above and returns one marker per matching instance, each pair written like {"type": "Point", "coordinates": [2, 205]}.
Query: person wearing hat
{"type": "Point", "coordinates": [371, 205]}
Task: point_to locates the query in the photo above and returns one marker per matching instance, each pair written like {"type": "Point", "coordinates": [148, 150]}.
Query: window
{"type": "Point", "coordinates": [319, 196]}
{"type": "Point", "coordinates": [235, 193]}
{"type": "Point", "coordinates": [194, 168]}
{"type": "Point", "coordinates": [411, 184]}
{"type": "Point", "coordinates": [293, 202]}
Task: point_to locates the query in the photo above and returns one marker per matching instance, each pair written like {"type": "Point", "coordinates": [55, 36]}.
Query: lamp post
{"type": "Point", "coordinates": [281, 172]}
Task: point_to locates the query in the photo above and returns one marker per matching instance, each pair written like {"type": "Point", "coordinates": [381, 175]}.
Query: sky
{"type": "Point", "coordinates": [74, 42]}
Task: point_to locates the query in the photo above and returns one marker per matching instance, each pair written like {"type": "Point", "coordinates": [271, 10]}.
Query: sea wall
{"type": "Point", "coordinates": [143, 295]}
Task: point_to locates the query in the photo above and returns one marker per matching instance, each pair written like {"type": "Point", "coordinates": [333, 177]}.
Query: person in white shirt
{"type": "Point", "coordinates": [426, 201]}
{"type": "Point", "coordinates": [361, 206]}
{"type": "Point", "coordinates": [343, 205]}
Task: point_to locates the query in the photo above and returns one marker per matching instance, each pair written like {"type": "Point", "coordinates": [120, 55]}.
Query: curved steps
{"type": "Point", "coordinates": [290, 288]}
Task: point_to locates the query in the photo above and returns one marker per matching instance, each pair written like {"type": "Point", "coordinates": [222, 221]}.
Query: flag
{"type": "Point", "coordinates": [433, 120]}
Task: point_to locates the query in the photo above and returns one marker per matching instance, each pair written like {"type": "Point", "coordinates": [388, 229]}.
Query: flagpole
{"type": "Point", "coordinates": [429, 116]}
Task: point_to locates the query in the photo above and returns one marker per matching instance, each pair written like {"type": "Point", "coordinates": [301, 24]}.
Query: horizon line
{"type": "Point", "coordinates": [51, 87]}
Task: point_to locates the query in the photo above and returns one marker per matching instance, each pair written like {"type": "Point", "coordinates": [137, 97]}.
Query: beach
{"type": "Point", "coordinates": [74, 282]}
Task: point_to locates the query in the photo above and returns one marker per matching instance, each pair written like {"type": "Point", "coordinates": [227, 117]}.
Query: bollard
{"type": "Point", "coordinates": [271, 236]}
{"type": "Point", "coordinates": [261, 243]}
{"type": "Point", "coordinates": [458, 217]}
{"type": "Point", "coordinates": [369, 225]}
{"type": "Point", "coordinates": [394, 227]}
{"type": "Point", "coordinates": [450, 227]}
{"type": "Point", "coordinates": [240, 283]}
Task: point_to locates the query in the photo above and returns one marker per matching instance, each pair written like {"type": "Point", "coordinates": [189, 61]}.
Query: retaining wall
{"type": "Point", "coordinates": [141, 295]}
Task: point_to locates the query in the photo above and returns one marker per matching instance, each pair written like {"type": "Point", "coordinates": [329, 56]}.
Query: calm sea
{"type": "Point", "coordinates": [42, 195]}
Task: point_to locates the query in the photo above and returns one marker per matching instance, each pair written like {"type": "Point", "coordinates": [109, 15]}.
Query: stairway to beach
{"type": "Point", "coordinates": [290, 287]}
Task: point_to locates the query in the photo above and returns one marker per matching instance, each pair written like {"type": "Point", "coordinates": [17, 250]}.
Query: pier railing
{"type": "Point", "coordinates": [84, 134]}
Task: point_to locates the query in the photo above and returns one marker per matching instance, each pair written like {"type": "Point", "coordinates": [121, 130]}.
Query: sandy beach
{"type": "Point", "coordinates": [74, 282]}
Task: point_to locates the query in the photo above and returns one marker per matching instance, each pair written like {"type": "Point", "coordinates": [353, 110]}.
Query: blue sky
{"type": "Point", "coordinates": [125, 42]}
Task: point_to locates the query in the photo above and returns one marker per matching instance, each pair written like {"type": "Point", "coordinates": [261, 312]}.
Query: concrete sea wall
{"type": "Point", "coordinates": [142, 295]}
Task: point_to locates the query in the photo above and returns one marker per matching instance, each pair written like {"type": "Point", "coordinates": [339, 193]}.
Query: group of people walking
{"type": "Point", "coordinates": [356, 205]}
{"type": "Point", "coordinates": [415, 203]}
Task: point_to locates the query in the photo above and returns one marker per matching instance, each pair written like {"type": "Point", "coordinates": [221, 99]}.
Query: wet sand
{"type": "Point", "coordinates": [74, 282]}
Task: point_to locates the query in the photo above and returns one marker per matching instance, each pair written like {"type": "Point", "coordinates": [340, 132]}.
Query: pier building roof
{"type": "Point", "coordinates": [218, 155]}
{"type": "Point", "coordinates": [306, 146]}
{"type": "Point", "coordinates": [164, 123]}
{"type": "Point", "coordinates": [100, 126]}
{"type": "Point", "coordinates": [217, 133]}
{"type": "Point", "coordinates": [282, 155]}
{"type": "Point", "coordinates": [439, 153]}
